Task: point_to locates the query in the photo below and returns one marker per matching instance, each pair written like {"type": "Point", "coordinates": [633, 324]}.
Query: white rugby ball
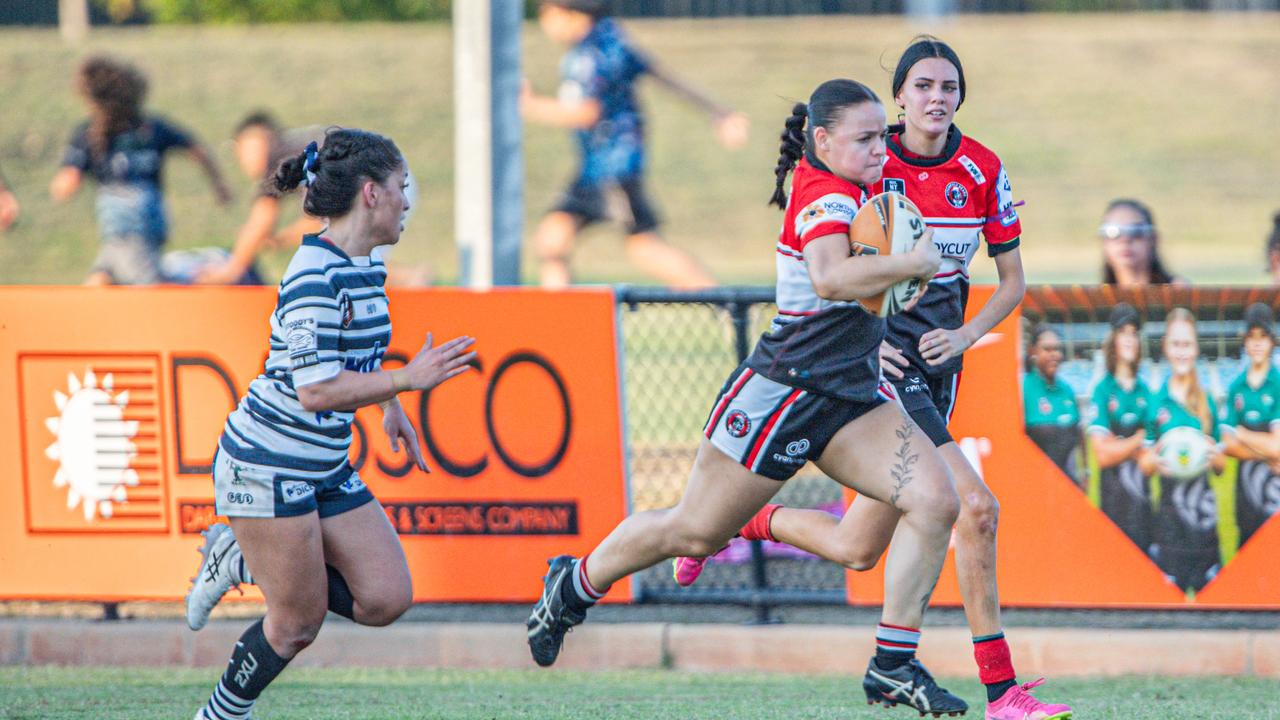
{"type": "Point", "coordinates": [1184, 453]}
{"type": "Point", "coordinates": [888, 224]}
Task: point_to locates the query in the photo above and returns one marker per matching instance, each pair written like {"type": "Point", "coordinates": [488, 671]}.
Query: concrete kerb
{"type": "Point", "coordinates": [801, 649]}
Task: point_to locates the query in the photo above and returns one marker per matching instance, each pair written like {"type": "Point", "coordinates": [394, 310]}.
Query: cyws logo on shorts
{"type": "Point", "coordinates": [798, 447]}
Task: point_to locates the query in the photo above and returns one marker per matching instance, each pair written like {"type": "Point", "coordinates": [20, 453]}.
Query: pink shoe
{"type": "Point", "coordinates": [1019, 704]}
{"type": "Point", "coordinates": [687, 569]}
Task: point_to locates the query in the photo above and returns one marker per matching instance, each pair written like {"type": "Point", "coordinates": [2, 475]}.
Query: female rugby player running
{"type": "Point", "coordinates": [961, 188]}
{"type": "Point", "coordinates": [812, 384]}
{"type": "Point", "coordinates": [313, 534]}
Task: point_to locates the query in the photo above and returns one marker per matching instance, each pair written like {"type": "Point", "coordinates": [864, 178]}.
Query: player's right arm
{"type": "Point", "coordinates": [349, 390]}
{"type": "Point", "coordinates": [839, 276]}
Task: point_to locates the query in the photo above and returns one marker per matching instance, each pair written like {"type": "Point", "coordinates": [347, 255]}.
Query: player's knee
{"type": "Point", "coordinates": [858, 559]}
{"type": "Point", "coordinates": [292, 632]}
{"type": "Point", "coordinates": [387, 606]}
{"type": "Point", "coordinates": [980, 513]}
{"type": "Point", "coordinates": [690, 539]}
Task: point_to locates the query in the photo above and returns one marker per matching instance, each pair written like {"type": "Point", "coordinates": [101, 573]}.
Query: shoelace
{"type": "Point", "coordinates": [1024, 700]}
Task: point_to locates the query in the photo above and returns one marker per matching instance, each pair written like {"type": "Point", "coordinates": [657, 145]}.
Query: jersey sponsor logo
{"type": "Point", "coordinates": [1113, 404]}
{"type": "Point", "coordinates": [897, 185]}
{"type": "Point", "coordinates": [954, 250]}
{"type": "Point", "coordinates": [1163, 416]}
{"type": "Point", "coordinates": [972, 168]}
{"type": "Point", "coordinates": [1239, 403]}
{"type": "Point", "coordinates": [300, 336]}
{"type": "Point", "coordinates": [1004, 193]}
{"type": "Point", "coordinates": [345, 310]}
{"type": "Point", "coordinates": [368, 363]}
{"type": "Point", "coordinates": [296, 490]}
{"type": "Point", "coordinates": [737, 424]}
{"type": "Point", "coordinates": [1044, 406]}
{"type": "Point", "coordinates": [957, 195]}
{"type": "Point", "coordinates": [835, 207]}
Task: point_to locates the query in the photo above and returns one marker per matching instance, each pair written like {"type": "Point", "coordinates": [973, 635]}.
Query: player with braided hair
{"type": "Point", "coordinates": [811, 390]}
{"type": "Point", "coordinates": [964, 193]}
{"type": "Point", "coordinates": [312, 532]}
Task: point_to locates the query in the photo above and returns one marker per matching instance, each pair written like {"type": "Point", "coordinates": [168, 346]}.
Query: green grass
{"type": "Point", "coordinates": [1174, 108]}
{"type": "Point", "coordinates": [139, 694]}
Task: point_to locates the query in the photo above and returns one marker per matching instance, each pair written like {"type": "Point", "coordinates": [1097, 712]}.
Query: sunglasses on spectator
{"type": "Point", "coordinates": [1115, 232]}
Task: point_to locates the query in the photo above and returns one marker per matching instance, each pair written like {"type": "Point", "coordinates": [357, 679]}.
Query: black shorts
{"type": "Point", "coordinates": [623, 200]}
{"type": "Point", "coordinates": [929, 401]}
{"type": "Point", "coordinates": [772, 429]}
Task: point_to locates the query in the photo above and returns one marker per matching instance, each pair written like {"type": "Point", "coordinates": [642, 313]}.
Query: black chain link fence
{"type": "Point", "coordinates": [678, 348]}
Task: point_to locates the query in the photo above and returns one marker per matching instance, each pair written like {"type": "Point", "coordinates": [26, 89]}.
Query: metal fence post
{"type": "Point", "coordinates": [739, 312]}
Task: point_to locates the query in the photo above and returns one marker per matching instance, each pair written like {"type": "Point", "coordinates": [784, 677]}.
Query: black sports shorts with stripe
{"type": "Point", "coordinates": [929, 401]}
{"type": "Point", "coordinates": [771, 428]}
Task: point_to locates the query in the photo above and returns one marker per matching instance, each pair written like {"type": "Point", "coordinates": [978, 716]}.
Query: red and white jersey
{"type": "Point", "coordinates": [965, 196]}
{"type": "Point", "coordinates": [827, 347]}
{"type": "Point", "coordinates": [820, 204]}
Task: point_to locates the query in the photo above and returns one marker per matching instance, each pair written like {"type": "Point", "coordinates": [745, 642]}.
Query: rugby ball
{"type": "Point", "coordinates": [888, 224]}
{"type": "Point", "coordinates": [1184, 453]}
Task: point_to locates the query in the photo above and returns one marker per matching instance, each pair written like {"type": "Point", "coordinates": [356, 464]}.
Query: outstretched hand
{"type": "Point", "coordinates": [433, 365]}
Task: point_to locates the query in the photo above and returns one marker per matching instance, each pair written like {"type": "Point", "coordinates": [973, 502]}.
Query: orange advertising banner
{"type": "Point", "coordinates": [1056, 548]}
{"type": "Point", "coordinates": [112, 401]}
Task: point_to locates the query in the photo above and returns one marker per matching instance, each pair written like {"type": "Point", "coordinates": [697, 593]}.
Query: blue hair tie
{"type": "Point", "coordinates": [313, 152]}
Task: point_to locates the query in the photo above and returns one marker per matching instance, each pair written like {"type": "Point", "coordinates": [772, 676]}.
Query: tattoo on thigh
{"type": "Point", "coordinates": [901, 471]}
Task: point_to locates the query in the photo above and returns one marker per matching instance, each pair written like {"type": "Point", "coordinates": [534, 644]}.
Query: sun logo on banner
{"type": "Point", "coordinates": [94, 445]}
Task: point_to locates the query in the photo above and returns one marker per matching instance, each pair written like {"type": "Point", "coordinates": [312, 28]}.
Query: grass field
{"type": "Point", "coordinates": [1178, 109]}
{"type": "Point", "coordinates": [141, 694]}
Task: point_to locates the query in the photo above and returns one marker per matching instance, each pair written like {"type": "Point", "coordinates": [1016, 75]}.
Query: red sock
{"type": "Point", "coordinates": [995, 665]}
{"type": "Point", "coordinates": [757, 528]}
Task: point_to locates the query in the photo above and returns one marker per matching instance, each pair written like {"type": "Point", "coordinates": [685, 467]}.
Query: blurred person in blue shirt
{"type": "Point", "coordinates": [596, 100]}
{"type": "Point", "coordinates": [123, 148]}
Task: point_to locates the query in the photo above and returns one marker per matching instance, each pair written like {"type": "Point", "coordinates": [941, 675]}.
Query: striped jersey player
{"type": "Point", "coordinates": [331, 315]}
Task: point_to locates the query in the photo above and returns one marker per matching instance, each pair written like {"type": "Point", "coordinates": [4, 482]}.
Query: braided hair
{"type": "Point", "coordinates": [335, 171]}
{"type": "Point", "coordinates": [824, 106]}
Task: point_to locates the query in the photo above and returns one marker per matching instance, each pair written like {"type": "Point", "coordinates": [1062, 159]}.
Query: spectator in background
{"type": "Point", "coordinates": [1131, 247]}
{"type": "Point", "coordinates": [260, 145]}
{"type": "Point", "coordinates": [1273, 250]}
{"type": "Point", "coordinates": [1117, 434]}
{"type": "Point", "coordinates": [1050, 411]}
{"type": "Point", "coordinates": [1185, 536]}
{"type": "Point", "coordinates": [597, 102]}
{"type": "Point", "coordinates": [8, 205]}
{"type": "Point", "coordinates": [123, 148]}
{"type": "Point", "coordinates": [1251, 428]}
